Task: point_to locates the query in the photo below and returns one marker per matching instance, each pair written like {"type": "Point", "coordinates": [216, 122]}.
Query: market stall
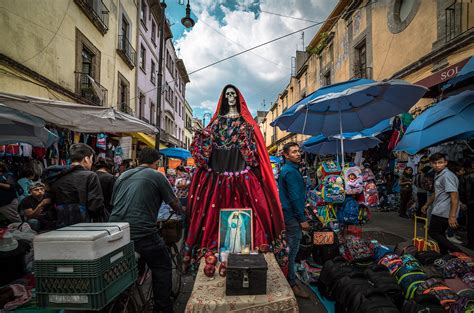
{"type": "Point", "coordinates": [209, 294]}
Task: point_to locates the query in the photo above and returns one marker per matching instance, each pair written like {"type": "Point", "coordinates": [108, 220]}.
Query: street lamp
{"type": "Point", "coordinates": [187, 21]}
{"type": "Point", "coordinates": [190, 21]}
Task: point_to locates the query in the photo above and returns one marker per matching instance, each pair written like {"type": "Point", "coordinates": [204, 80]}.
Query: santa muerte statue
{"type": "Point", "coordinates": [233, 171]}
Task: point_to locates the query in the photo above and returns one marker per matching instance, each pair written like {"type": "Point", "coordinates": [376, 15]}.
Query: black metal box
{"type": "Point", "coordinates": [246, 275]}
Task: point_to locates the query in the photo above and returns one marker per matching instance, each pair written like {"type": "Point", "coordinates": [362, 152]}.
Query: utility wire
{"type": "Point", "coordinates": [235, 42]}
{"type": "Point", "coordinates": [261, 45]}
{"type": "Point", "coordinates": [287, 16]}
{"type": "Point", "coordinates": [52, 38]}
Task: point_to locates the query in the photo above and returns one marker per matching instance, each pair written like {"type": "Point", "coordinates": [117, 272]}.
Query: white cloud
{"type": "Point", "coordinates": [223, 29]}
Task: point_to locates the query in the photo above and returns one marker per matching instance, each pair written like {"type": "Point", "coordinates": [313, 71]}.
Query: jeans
{"type": "Point", "coordinates": [405, 197]}
{"type": "Point", "coordinates": [437, 230]}
{"type": "Point", "coordinates": [293, 237]}
{"type": "Point", "coordinates": [153, 250]}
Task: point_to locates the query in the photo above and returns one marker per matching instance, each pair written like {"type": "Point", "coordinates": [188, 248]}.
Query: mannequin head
{"type": "Point", "coordinates": [230, 100]}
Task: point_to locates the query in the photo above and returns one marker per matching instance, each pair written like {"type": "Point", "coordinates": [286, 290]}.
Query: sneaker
{"type": "Point", "coordinates": [453, 239]}
{"type": "Point", "coordinates": [300, 292]}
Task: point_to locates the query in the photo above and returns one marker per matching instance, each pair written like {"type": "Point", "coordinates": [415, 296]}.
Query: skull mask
{"type": "Point", "coordinates": [231, 96]}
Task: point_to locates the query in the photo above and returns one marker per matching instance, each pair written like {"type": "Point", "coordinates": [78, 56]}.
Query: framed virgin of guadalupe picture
{"type": "Point", "coordinates": [235, 230]}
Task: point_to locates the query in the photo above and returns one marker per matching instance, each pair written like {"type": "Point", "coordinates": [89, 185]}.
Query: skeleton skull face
{"type": "Point", "coordinates": [231, 96]}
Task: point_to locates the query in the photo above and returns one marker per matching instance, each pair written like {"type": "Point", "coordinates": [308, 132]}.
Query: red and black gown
{"type": "Point", "coordinates": [233, 171]}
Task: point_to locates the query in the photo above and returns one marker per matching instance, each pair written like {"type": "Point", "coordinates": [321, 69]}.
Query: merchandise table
{"type": "Point", "coordinates": [208, 294]}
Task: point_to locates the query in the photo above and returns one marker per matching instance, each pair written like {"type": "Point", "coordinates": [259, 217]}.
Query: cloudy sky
{"type": "Point", "coordinates": [224, 28]}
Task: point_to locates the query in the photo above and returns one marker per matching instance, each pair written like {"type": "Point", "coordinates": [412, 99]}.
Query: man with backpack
{"type": "Point", "coordinates": [445, 202]}
{"type": "Point", "coordinates": [292, 196]}
{"type": "Point", "coordinates": [136, 199]}
{"type": "Point", "coordinates": [75, 190]}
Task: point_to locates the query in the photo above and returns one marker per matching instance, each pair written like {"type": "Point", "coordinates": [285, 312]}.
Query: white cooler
{"type": "Point", "coordinates": [83, 241]}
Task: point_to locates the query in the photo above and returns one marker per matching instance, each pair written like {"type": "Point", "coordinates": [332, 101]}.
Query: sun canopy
{"type": "Point", "coordinates": [77, 117]}
{"type": "Point", "coordinates": [21, 127]}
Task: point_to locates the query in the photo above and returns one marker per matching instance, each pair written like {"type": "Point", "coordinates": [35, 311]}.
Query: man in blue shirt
{"type": "Point", "coordinates": [292, 197]}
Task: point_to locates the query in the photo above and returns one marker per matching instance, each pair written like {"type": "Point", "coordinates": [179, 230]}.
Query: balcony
{"type": "Point", "coordinates": [97, 12]}
{"type": "Point", "coordinates": [170, 139]}
{"type": "Point", "coordinates": [90, 90]}
{"type": "Point", "coordinates": [459, 19]}
{"type": "Point", "coordinates": [126, 51]}
{"type": "Point", "coordinates": [123, 107]}
{"type": "Point", "coordinates": [361, 71]}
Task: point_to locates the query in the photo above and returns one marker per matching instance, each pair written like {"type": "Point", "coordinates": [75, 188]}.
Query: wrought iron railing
{"type": "Point", "coordinates": [97, 12]}
{"type": "Point", "coordinates": [126, 50]}
{"type": "Point", "coordinates": [458, 18]}
{"type": "Point", "coordinates": [90, 89]}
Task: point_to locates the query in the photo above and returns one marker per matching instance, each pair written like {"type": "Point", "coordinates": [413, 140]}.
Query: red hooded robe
{"type": "Point", "coordinates": [256, 189]}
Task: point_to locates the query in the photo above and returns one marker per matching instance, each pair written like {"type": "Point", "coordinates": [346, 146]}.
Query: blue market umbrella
{"type": "Point", "coordinates": [274, 159]}
{"type": "Point", "coordinates": [286, 119]}
{"type": "Point", "coordinates": [465, 73]}
{"type": "Point", "coordinates": [21, 127]}
{"type": "Point", "coordinates": [450, 119]}
{"type": "Point", "coordinates": [176, 153]}
{"type": "Point", "coordinates": [362, 104]}
{"type": "Point", "coordinates": [331, 145]}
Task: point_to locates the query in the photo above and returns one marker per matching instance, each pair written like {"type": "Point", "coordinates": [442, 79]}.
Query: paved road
{"type": "Point", "coordinates": [387, 227]}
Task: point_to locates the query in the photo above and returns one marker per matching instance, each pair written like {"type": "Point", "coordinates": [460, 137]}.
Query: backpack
{"type": "Point", "coordinates": [354, 185]}
{"type": "Point", "coordinates": [452, 267]}
{"type": "Point", "coordinates": [333, 189]}
{"type": "Point", "coordinates": [333, 270]}
{"type": "Point", "coordinates": [375, 301]}
{"type": "Point", "coordinates": [427, 257]}
{"type": "Point", "coordinates": [371, 194]}
{"type": "Point", "coordinates": [349, 213]}
{"type": "Point", "coordinates": [391, 261]}
{"type": "Point", "coordinates": [427, 181]}
{"type": "Point", "coordinates": [367, 174]}
{"type": "Point", "coordinates": [410, 281]}
{"type": "Point", "coordinates": [380, 251]}
{"type": "Point", "coordinates": [380, 278]}
{"type": "Point", "coordinates": [425, 303]}
{"type": "Point", "coordinates": [314, 198]}
{"type": "Point", "coordinates": [405, 247]}
{"type": "Point", "coordinates": [438, 288]}
{"type": "Point", "coordinates": [357, 250]}
{"type": "Point", "coordinates": [329, 168]}
{"type": "Point", "coordinates": [347, 291]}
{"type": "Point", "coordinates": [462, 305]}
{"type": "Point", "coordinates": [323, 250]}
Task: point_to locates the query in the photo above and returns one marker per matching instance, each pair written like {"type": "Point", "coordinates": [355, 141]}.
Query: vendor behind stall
{"type": "Point", "coordinates": [37, 209]}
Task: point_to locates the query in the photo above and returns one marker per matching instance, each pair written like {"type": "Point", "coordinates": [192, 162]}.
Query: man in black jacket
{"type": "Point", "coordinates": [75, 190]}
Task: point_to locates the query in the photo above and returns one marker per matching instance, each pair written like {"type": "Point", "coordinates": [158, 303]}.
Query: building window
{"type": "Point", "coordinates": [87, 71]}
{"type": "Point", "coordinates": [401, 13]}
{"type": "Point", "coordinates": [153, 32]}
{"type": "Point", "coordinates": [141, 106]}
{"type": "Point", "coordinates": [360, 64]}
{"type": "Point", "coordinates": [175, 104]}
{"type": "Point", "coordinates": [125, 49]}
{"type": "Point", "coordinates": [459, 18]}
{"type": "Point", "coordinates": [153, 72]}
{"type": "Point", "coordinates": [327, 78]}
{"type": "Point", "coordinates": [124, 95]}
{"type": "Point", "coordinates": [97, 13]}
{"type": "Point", "coordinates": [152, 113]}
{"type": "Point", "coordinates": [143, 13]}
{"type": "Point", "coordinates": [143, 58]}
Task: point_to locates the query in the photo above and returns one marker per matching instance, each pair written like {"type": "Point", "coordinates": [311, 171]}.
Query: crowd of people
{"type": "Point", "coordinates": [88, 191]}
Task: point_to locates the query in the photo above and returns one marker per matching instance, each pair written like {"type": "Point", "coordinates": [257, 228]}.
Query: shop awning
{"type": "Point", "coordinates": [444, 75]}
{"type": "Point", "coordinates": [147, 139]}
{"type": "Point", "coordinates": [77, 117]}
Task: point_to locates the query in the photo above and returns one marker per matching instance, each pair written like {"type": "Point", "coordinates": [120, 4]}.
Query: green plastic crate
{"type": "Point", "coordinates": [85, 284]}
